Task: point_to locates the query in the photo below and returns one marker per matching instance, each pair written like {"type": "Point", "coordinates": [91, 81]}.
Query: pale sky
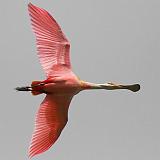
{"type": "Point", "coordinates": [111, 41]}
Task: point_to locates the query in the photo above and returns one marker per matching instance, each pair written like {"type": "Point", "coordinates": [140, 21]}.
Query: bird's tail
{"type": "Point", "coordinates": [36, 88]}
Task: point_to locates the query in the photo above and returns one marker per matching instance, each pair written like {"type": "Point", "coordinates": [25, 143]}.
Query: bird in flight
{"type": "Point", "coordinates": [60, 85]}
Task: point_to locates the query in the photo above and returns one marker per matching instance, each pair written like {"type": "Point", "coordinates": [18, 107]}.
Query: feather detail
{"type": "Point", "coordinates": [51, 118]}
{"type": "Point", "coordinates": [52, 45]}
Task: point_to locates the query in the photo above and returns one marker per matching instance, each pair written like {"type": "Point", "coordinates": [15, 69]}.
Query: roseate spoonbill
{"type": "Point", "coordinates": [61, 83]}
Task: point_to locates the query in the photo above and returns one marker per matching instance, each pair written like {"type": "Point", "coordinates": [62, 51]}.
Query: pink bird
{"type": "Point", "coordinates": [61, 83]}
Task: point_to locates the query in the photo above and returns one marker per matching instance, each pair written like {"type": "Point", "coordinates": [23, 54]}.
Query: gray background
{"type": "Point", "coordinates": [117, 41]}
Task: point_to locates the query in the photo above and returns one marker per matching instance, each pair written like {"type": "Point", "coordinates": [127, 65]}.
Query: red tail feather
{"type": "Point", "coordinates": [36, 89]}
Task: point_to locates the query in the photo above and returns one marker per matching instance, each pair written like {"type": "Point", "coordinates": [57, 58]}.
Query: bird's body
{"type": "Point", "coordinates": [67, 84]}
{"type": "Point", "coordinates": [61, 83]}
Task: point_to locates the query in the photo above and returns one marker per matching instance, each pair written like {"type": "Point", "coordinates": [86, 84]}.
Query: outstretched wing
{"type": "Point", "coordinates": [52, 45]}
{"type": "Point", "coordinates": [51, 118]}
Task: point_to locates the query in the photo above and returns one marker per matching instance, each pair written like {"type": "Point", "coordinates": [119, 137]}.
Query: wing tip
{"type": "Point", "coordinates": [34, 152]}
{"type": "Point", "coordinates": [30, 4]}
{"type": "Point", "coordinates": [30, 155]}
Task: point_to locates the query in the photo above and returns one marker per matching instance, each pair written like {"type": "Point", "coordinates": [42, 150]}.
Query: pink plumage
{"type": "Point", "coordinates": [50, 120]}
{"type": "Point", "coordinates": [61, 83]}
{"type": "Point", "coordinates": [52, 45]}
{"type": "Point", "coordinates": [53, 52]}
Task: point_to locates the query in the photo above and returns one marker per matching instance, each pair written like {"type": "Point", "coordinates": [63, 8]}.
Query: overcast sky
{"type": "Point", "coordinates": [111, 41]}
